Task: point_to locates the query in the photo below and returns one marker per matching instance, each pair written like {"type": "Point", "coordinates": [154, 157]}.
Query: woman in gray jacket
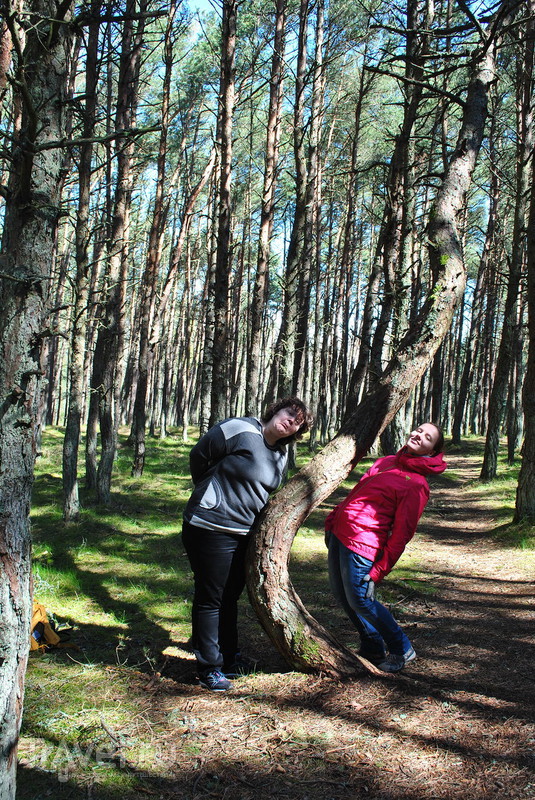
{"type": "Point", "coordinates": [235, 466]}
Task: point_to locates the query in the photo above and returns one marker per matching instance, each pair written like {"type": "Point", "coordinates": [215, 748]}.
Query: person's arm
{"type": "Point", "coordinates": [408, 512]}
{"type": "Point", "coordinates": [210, 449]}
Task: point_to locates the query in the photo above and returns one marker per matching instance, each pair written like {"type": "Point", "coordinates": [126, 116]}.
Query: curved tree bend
{"type": "Point", "coordinates": [303, 642]}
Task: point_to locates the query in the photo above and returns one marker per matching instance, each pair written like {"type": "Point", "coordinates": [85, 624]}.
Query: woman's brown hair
{"type": "Point", "coordinates": [297, 405]}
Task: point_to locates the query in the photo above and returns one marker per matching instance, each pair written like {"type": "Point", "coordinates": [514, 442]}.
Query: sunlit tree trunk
{"type": "Point", "coordinates": [348, 254]}
{"type": "Point", "coordinates": [313, 196]}
{"type": "Point", "coordinates": [107, 361]}
{"type": "Point", "coordinates": [498, 396]}
{"type": "Point", "coordinates": [220, 359]}
{"type": "Point", "coordinates": [282, 371]}
{"type": "Point", "coordinates": [260, 289]}
{"type": "Point", "coordinates": [27, 256]}
{"type": "Point", "coordinates": [398, 186]}
{"type": "Point", "coordinates": [466, 375]}
{"type": "Point", "coordinates": [71, 441]}
{"type": "Point", "coordinates": [152, 266]}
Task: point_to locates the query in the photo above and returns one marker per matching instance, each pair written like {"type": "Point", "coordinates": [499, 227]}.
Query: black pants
{"type": "Point", "coordinates": [218, 563]}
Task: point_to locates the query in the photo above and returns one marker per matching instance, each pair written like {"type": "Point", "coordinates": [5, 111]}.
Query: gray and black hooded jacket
{"type": "Point", "coordinates": [234, 471]}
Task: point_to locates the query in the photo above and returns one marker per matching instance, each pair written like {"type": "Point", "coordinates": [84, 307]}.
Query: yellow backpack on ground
{"type": "Point", "coordinates": [42, 634]}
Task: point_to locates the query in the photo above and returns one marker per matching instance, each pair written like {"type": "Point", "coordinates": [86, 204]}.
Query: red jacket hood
{"type": "Point", "coordinates": [424, 465]}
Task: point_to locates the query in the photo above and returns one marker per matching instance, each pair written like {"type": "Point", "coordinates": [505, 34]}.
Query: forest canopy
{"type": "Point", "coordinates": [306, 161]}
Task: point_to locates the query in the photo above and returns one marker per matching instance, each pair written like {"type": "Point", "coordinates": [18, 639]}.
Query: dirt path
{"type": "Point", "coordinates": [459, 724]}
{"type": "Point", "coordinates": [480, 634]}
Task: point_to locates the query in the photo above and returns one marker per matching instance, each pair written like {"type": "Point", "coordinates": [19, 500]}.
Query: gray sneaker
{"type": "Point", "coordinates": [395, 663]}
{"type": "Point", "coordinates": [215, 681]}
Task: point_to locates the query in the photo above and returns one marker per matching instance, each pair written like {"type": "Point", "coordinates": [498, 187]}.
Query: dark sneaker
{"type": "Point", "coordinates": [215, 681]}
{"type": "Point", "coordinates": [239, 667]}
{"type": "Point", "coordinates": [395, 663]}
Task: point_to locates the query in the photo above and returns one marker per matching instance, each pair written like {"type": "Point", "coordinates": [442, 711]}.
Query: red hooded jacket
{"type": "Point", "coordinates": [380, 514]}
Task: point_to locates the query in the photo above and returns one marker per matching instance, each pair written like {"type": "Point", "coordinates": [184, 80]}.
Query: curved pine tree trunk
{"type": "Point", "coordinates": [304, 643]}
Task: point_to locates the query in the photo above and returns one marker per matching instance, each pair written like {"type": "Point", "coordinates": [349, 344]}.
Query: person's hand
{"type": "Point", "coordinates": [370, 588]}
{"type": "Point", "coordinates": [328, 535]}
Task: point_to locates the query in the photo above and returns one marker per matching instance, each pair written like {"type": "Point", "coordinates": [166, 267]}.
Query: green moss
{"type": "Point", "coordinates": [305, 646]}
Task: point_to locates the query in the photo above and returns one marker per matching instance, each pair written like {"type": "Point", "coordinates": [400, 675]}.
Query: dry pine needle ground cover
{"type": "Point", "coordinates": [459, 723]}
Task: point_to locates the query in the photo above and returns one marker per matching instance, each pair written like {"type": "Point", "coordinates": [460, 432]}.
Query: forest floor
{"type": "Point", "coordinates": [459, 722]}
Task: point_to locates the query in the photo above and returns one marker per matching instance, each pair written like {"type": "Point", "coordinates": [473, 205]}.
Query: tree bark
{"type": "Point", "coordinates": [312, 209]}
{"type": "Point", "coordinates": [281, 381]}
{"type": "Point", "coordinates": [348, 256]}
{"type": "Point", "coordinates": [107, 362]}
{"type": "Point", "coordinates": [28, 249]}
{"type": "Point", "coordinates": [498, 396]}
{"type": "Point", "coordinates": [152, 265]}
{"type": "Point", "coordinates": [304, 643]}
{"type": "Point", "coordinates": [220, 360]}
{"type": "Point", "coordinates": [514, 415]}
{"type": "Point", "coordinates": [71, 441]}
{"type": "Point", "coordinates": [525, 495]}
{"type": "Point", "coordinates": [466, 375]}
{"type": "Point", "coordinates": [398, 186]}
{"type": "Point", "coordinates": [260, 289]}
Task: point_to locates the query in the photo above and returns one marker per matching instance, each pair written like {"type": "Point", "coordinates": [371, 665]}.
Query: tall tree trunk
{"type": "Point", "coordinates": [220, 360]}
{"type": "Point", "coordinates": [152, 265]}
{"type": "Point", "coordinates": [28, 248]}
{"type": "Point", "coordinates": [514, 415]}
{"type": "Point", "coordinates": [525, 495]}
{"type": "Point", "coordinates": [304, 643]}
{"type": "Point", "coordinates": [466, 376]}
{"type": "Point", "coordinates": [71, 441]}
{"type": "Point", "coordinates": [286, 345]}
{"type": "Point", "coordinates": [348, 251]}
{"type": "Point", "coordinates": [312, 203]}
{"type": "Point", "coordinates": [398, 186]}
{"type": "Point", "coordinates": [502, 372]}
{"type": "Point", "coordinates": [107, 361]}
{"type": "Point", "coordinates": [52, 348]}
{"type": "Point", "coordinates": [91, 444]}
{"type": "Point", "coordinates": [260, 289]}
{"type": "Point", "coordinates": [208, 323]}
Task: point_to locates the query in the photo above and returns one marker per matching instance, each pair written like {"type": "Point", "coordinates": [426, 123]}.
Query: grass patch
{"type": "Point", "coordinates": [498, 496]}
{"type": "Point", "coordinates": [520, 535]}
{"type": "Point", "coordinates": [119, 579]}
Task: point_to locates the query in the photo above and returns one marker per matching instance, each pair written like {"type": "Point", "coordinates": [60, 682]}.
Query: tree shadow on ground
{"type": "Point", "coordinates": [129, 622]}
{"type": "Point", "coordinates": [309, 740]}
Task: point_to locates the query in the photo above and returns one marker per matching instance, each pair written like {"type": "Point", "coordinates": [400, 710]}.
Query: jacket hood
{"type": "Point", "coordinates": [424, 465]}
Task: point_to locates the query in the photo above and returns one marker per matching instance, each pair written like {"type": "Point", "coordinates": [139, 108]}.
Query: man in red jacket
{"type": "Point", "coordinates": [367, 533]}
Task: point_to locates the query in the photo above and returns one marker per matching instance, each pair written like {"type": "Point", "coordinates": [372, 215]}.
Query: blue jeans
{"type": "Point", "coordinates": [218, 563]}
{"type": "Point", "coordinates": [377, 627]}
